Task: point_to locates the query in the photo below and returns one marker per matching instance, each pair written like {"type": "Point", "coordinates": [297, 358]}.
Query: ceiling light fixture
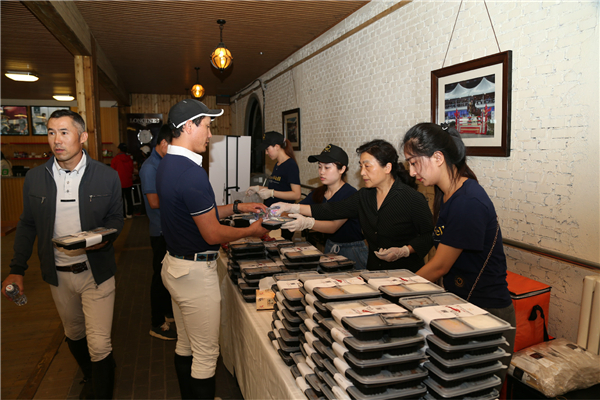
{"type": "Point", "coordinates": [221, 57]}
{"type": "Point", "coordinates": [63, 97]}
{"type": "Point", "coordinates": [22, 76]}
{"type": "Point", "coordinates": [197, 89]}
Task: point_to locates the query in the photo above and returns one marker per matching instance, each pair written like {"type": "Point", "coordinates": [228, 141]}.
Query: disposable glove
{"type": "Point", "coordinates": [266, 193]}
{"type": "Point", "coordinates": [285, 207]}
{"type": "Point", "coordinates": [393, 253]}
{"type": "Point", "coordinates": [252, 189]}
{"type": "Point", "coordinates": [299, 224]}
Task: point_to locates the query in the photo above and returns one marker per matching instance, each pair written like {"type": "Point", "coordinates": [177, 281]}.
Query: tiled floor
{"type": "Point", "coordinates": [144, 364]}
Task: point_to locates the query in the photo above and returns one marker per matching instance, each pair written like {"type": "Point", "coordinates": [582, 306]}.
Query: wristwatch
{"type": "Point", "coordinates": [236, 210]}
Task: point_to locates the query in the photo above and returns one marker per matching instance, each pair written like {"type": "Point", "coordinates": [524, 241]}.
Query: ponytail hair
{"type": "Point", "coordinates": [425, 139]}
{"type": "Point", "coordinates": [288, 148]}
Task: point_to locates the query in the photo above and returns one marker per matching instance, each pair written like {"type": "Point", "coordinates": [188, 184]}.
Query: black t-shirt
{"type": "Point", "coordinates": [468, 221]}
{"type": "Point", "coordinates": [350, 231]}
{"type": "Point", "coordinates": [282, 178]}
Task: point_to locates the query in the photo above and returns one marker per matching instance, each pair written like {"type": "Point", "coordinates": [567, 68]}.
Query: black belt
{"type": "Point", "coordinates": [199, 257]}
{"type": "Point", "coordinates": [75, 268]}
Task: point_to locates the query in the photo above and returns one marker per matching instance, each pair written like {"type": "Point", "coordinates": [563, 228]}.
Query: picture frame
{"type": "Point", "coordinates": [475, 98]}
{"type": "Point", "coordinates": [291, 127]}
{"type": "Point", "coordinates": [39, 119]}
{"type": "Point", "coordinates": [15, 120]}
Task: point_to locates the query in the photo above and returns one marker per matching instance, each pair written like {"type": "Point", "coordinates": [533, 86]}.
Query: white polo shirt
{"type": "Point", "coordinates": [67, 221]}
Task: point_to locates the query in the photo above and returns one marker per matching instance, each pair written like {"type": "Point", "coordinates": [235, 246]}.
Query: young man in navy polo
{"type": "Point", "coordinates": [190, 225]}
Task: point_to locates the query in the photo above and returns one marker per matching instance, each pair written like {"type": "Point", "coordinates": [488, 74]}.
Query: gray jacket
{"type": "Point", "coordinates": [100, 205]}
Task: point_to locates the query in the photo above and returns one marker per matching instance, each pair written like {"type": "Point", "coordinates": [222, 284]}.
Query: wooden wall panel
{"type": "Point", "coordinates": [162, 103]}
{"type": "Point", "coordinates": [12, 198]}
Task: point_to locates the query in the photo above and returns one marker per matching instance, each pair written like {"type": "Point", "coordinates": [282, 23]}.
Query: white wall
{"type": "Point", "coordinates": [376, 84]}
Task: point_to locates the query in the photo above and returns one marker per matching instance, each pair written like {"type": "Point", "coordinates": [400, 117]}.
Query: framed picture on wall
{"type": "Point", "coordinates": [291, 127]}
{"type": "Point", "coordinates": [39, 118]}
{"type": "Point", "coordinates": [475, 98]}
{"type": "Point", "coordinates": [15, 121]}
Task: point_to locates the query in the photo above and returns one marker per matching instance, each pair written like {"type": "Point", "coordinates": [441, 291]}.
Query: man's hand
{"type": "Point", "coordinates": [10, 279]}
{"type": "Point", "coordinates": [251, 207]}
{"type": "Point", "coordinates": [257, 229]}
{"type": "Point", "coordinates": [285, 207]}
{"type": "Point", "coordinates": [393, 253]}
{"type": "Point", "coordinates": [266, 193]}
{"type": "Point", "coordinates": [96, 246]}
{"type": "Point", "coordinates": [299, 224]}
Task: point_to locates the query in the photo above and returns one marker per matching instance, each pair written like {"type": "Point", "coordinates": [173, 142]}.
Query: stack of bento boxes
{"type": "Point", "coordinates": [463, 347]}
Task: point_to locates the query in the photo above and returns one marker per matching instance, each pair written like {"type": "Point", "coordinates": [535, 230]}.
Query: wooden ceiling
{"type": "Point", "coordinates": [155, 45]}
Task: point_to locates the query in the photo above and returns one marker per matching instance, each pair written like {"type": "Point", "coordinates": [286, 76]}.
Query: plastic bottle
{"type": "Point", "coordinates": [13, 292]}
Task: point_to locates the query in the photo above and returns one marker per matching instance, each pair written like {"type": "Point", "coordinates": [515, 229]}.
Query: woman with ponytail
{"type": "Point", "coordinates": [284, 183]}
{"type": "Point", "coordinates": [470, 256]}
{"type": "Point", "coordinates": [344, 236]}
{"type": "Point", "coordinates": [394, 217]}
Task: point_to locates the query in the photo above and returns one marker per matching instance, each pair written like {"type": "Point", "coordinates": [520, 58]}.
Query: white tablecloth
{"type": "Point", "coordinates": [247, 351]}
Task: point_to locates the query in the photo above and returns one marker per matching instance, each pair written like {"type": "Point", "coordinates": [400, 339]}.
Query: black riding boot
{"type": "Point", "coordinates": [183, 368]}
{"type": "Point", "coordinates": [103, 377]}
{"type": "Point", "coordinates": [79, 349]}
{"type": "Point", "coordinates": [204, 388]}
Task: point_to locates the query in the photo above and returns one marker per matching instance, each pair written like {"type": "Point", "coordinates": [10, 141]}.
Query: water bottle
{"type": "Point", "coordinates": [13, 292]}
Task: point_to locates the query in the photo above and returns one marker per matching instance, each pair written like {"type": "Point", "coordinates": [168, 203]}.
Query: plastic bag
{"type": "Point", "coordinates": [556, 367]}
{"type": "Point", "coordinates": [254, 198]}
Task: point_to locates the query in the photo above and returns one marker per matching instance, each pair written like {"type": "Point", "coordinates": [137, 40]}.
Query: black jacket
{"type": "Point", "coordinates": [404, 218]}
{"type": "Point", "coordinates": [100, 205]}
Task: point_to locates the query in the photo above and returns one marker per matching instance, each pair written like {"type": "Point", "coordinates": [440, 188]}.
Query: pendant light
{"type": "Point", "coordinates": [221, 57]}
{"type": "Point", "coordinates": [197, 89]}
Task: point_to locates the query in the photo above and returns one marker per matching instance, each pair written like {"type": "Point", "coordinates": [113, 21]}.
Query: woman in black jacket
{"type": "Point", "coordinates": [394, 217]}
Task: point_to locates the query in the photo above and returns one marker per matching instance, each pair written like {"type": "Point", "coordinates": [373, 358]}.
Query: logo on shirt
{"type": "Point", "coordinates": [459, 282]}
{"type": "Point", "coordinates": [438, 230]}
{"type": "Point", "coordinates": [275, 178]}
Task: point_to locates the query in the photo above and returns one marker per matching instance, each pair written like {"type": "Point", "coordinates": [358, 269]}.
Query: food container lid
{"type": "Point", "coordinates": [467, 373]}
{"type": "Point", "coordinates": [384, 360]}
{"type": "Point", "coordinates": [302, 251]}
{"type": "Point", "coordinates": [410, 289]}
{"type": "Point", "coordinates": [471, 345]}
{"type": "Point", "coordinates": [257, 263]}
{"type": "Point", "coordinates": [402, 273]}
{"type": "Point", "coordinates": [254, 273]}
{"type": "Point", "coordinates": [491, 395]}
{"type": "Point", "coordinates": [470, 326]}
{"type": "Point", "coordinates": [468, 359]}
{"type": "Point", "coordinates": [464, 388]}
{"type": "Point", "coordinates": [292, 294]}
{"type": "Point", "coordinates": [414, 392]}
{"type": "Point", "coordinates": [385, 377]}
{"type": "Point", "coordinates": [447, 298]}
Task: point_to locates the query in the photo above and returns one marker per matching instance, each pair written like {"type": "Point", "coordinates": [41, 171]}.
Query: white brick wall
{"type": "Point", "coordinates": [376, 84]}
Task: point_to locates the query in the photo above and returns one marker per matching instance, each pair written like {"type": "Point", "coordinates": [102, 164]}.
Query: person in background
{"type": "Point", "coordinates": [394, 217]}
{"type": "Point", "coordinates": [69, 194]}
{"type": "Point", "coordinates": [470, 256]}
{"type": "Point", "coordinates": [6, 166]}
{"type": "Point", "coordinates": [344, 236]}
{"type": "Point", "coordinates": [123, 164]}
{"type": "Point", "coordinates": [160, 299]}
{"type": "Point", "coordinates": [284, 182]}
{"type": "Point", "coordinates": [190, 223]}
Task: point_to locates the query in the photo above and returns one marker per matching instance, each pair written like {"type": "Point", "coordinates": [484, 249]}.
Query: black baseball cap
{"type": "Point", "coordinates": [330, 154]}
{"type": "Point", "coordinates": [122, 147]}
{"type": "Point", "coordinates": [190, 109]}
{"type": "Point", "coordinates": [271, 138]}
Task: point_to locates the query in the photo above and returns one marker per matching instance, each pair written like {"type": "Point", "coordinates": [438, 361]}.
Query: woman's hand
{"type": "Point", "coordinates": [299, 224]}
{"type": "Point", "coordinates": [266, 193]}
{"type": "Point", "coordinates": [252, 189]}
{"type": "Point", "coordinates": [393, 253]}
{"type": "Point", "coordinates": [285, 207]}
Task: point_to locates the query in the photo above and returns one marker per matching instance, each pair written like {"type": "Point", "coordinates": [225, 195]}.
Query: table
{"type": "Point", "coordinates": [246, 350]}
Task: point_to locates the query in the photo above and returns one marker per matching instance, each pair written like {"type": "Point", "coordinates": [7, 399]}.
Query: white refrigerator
{"type": "Point", "coordinates": [229, 166]}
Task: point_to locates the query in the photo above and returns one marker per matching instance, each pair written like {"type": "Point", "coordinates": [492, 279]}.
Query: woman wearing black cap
{"type": "Point", "coordinates": [394, 217]}
{"type": "Point", "coordinates": [345, 237]}
{"type": "Point", "coordinates": [284, 183]}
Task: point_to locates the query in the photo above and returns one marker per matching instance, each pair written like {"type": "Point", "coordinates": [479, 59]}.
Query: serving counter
{"type": "Point", "coordinates": [246, 350]}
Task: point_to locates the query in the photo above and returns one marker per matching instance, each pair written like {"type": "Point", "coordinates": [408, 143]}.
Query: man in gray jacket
{"type": "Point", "coordinates": [69, 194]}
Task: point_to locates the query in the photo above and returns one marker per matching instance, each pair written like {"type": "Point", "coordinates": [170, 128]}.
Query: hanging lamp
{"type": "Point", "coordinates": [197, 89]}
{"type": "Point", "coordinates": [221, 57]}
